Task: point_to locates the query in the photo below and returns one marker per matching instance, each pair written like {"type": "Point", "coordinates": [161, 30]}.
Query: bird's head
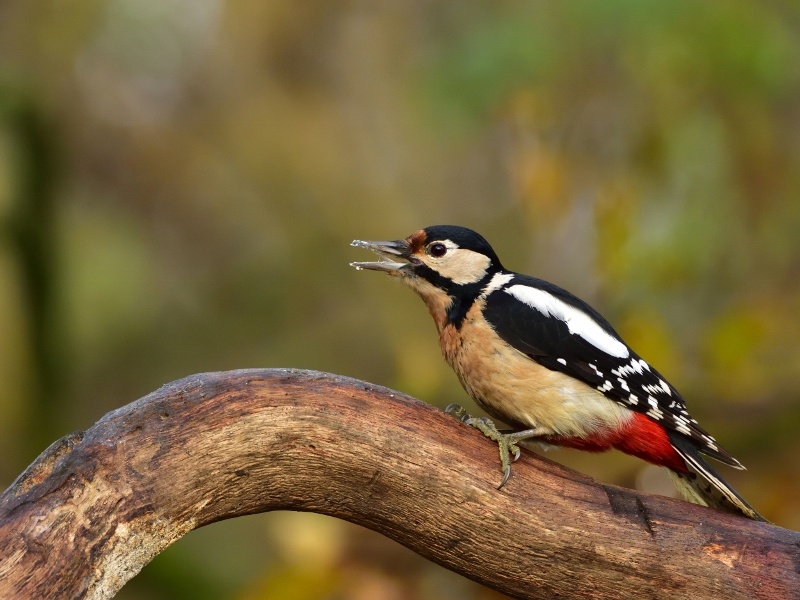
{"type": "Point", "coordinates": [453, 260]}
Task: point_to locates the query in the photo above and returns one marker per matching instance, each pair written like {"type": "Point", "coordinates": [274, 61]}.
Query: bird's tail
{"type": "Point", "coordinates": [702, 485]}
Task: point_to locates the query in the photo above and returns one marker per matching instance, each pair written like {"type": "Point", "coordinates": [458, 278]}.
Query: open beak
{"type": "Point", "coordinates": [388, 251]}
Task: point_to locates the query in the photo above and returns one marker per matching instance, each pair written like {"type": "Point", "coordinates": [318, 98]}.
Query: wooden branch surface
{"type": "Point", "coordinates": [95, 507]}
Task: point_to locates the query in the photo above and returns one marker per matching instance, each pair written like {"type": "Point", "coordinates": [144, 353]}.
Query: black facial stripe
{"type": "Point", "coordinates": [433, 277]}
{"type": "Point", "coordinates": [463, 295]}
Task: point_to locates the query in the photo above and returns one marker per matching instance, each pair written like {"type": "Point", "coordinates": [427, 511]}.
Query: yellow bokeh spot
{"type": "Point", "coordinates": [307, 538]}
{"type": "Point", "coordinates": [542, 181]}
{"type": "Point", "coordinates": [647, 332]}
{"type": "Point", "coordinates": [616, 206]}
{"type": "Point", "coordinates": [731, 354]}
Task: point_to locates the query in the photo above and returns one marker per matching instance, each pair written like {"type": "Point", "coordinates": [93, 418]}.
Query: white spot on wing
{"type": "Point", "coordinates": [710, 442]}
{"type": "Point", "coordinates": [578, 322]}
{"type": "Point", "coordinates": [562, 361]}
{"type": "Point", "coordinates": [497, 281]}
{"type": "Point", "coordinates": [605, 387]}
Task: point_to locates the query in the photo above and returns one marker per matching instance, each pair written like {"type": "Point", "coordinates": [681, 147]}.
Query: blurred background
{"type": "Point", "coordinates": [180, 180]}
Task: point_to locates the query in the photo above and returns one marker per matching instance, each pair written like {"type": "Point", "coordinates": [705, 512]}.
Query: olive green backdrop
{"type": "Point", "coordinates": [180, 180]}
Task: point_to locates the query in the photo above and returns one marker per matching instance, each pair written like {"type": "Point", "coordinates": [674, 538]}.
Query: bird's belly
{"type": "Point", "coordinates": [513, 388]}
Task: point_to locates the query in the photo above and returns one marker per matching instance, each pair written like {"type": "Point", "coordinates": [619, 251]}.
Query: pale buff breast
{"type": "Point", "coordinates": [512, 387]}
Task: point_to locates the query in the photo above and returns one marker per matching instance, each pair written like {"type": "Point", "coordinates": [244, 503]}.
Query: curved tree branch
{"type": "Point", "coordinates": [97, 506]}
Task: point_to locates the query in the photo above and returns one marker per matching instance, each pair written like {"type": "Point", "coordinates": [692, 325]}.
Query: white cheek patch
{"type": "Point", "coordinates": [460, 265]}
{"type": "Point", "coordinates": [578, 322]}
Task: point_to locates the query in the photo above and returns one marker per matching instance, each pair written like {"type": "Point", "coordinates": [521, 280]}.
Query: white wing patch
{"type": "Point", "coordinates": [578, 322]}
{"type": "Point", "coordinates": [496, 282]}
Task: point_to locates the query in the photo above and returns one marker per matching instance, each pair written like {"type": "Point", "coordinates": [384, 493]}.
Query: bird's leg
{"type": "Point", "coordinates": [507, 442]}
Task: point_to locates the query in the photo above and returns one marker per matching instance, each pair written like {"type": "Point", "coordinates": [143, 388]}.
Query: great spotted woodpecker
{"type": "Point", "coordinates": [546, 363]}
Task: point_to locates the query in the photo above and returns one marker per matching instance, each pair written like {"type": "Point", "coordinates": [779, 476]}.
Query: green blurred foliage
{"type": "Point", "coordinates": [180, 179]}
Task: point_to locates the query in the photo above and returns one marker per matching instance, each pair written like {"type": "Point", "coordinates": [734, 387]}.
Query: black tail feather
{"type": "Point", "coordinates": [703, 485]}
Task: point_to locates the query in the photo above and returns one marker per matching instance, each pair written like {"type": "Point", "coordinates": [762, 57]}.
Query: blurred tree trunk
{"type": "Point", "coordinates": [29, 226]}
{"type": "Point", "coordinates": [97, 506]}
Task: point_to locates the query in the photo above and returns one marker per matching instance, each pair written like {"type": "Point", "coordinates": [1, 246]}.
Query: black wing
{"type": "Point", "coordinates": [621, 376]}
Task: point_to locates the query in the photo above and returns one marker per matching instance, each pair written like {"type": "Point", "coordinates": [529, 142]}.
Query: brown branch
{"type": "Point", "coordinates": [95, 507]}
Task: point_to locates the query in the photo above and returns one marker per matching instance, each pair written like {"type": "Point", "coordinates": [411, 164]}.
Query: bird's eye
{"type": "Point", "coordinates": [437, 250]}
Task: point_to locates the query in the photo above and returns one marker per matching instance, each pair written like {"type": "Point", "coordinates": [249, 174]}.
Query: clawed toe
{"type": "Point", "coordinates": [506, 475]}
{"type": "Point", "coordinates": [457, 411]}
{"type": "Point", "coordinates": [507, 442]}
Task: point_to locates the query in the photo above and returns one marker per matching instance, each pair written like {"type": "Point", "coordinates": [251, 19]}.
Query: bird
{"type": "Point", "coordinates": [537, 358]}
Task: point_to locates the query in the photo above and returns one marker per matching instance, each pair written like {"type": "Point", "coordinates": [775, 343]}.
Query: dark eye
{"type": "Point", "coordinates": [437, 249]}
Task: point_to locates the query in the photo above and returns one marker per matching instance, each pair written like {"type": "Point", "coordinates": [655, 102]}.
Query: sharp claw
{"type": "Point", "coordinates": [506, 475]}
{"type": "Point", "coordinates": [508, 442]}
{"type": "Point", "coordinates": [457, 411]}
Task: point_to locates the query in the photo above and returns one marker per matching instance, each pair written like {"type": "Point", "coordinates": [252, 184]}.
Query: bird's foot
{"type": "Point", "coordinates": [457, 411]}
{"type": "Point", "coordinates": [507, 442]}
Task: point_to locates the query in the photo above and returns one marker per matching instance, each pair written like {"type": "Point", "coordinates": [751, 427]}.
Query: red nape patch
{"type": "Point", "coordinates": [641, 437]}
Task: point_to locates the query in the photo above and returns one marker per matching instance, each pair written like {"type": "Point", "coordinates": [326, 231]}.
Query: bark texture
{"type": "Point", "coordinates": [96, 506]}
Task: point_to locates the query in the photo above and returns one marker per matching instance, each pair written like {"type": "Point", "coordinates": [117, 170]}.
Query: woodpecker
{"type": "Point", "coordinates": [538, 358]}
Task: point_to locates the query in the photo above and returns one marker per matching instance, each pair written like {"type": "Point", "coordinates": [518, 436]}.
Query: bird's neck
{"type": "Point", "coordinates": [458, 309]}
{"type": "Point", "coordinates": [450, 306]}
{"type": "Point", "coordinates": [436, 299]}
